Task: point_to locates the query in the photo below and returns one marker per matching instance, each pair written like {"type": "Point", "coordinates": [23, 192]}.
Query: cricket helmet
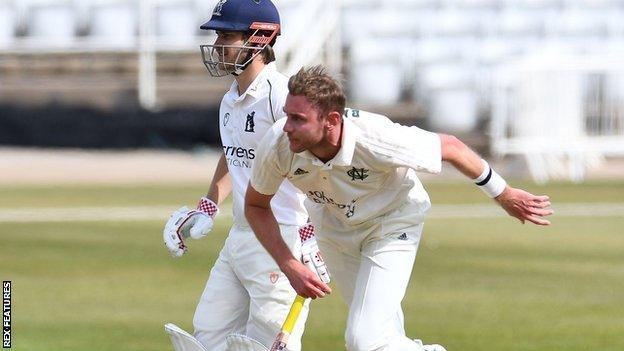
{"type": "Point", "coordinates": [259, 19]}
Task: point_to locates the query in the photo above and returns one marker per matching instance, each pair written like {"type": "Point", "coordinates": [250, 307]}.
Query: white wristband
{"type": "Point", "coordinates": [490, 182]}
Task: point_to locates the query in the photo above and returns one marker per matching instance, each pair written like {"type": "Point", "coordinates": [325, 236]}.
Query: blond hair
{"type": "Point", "coordinates": [319, 88]}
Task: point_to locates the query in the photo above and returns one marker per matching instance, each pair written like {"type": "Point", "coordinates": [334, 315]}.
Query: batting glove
{"type": "Point", "coordinates": [183, 223]}
{"type": "Point", "coordinates": [310, 253]}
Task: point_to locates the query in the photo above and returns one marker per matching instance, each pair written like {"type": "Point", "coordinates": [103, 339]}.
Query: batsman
{"type": "Point", "coordinates": [246, 293]}
{"type": "Point", "coordinates": [358, 171]}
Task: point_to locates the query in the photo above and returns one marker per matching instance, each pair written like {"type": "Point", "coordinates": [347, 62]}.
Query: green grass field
{"type": "Point", "coordinates": [478, 284]}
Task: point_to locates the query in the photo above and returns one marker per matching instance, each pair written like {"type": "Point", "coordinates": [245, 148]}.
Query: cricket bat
{"type": "Point", "coordinates": [309, 247]}
{"type": "Point", "coordinates": [282, 338]}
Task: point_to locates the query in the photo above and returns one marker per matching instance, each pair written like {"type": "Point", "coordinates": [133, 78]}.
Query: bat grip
{"type": "Point", "coordinates": [289, 324]}
{"type": "Point", "coordinates": [293, 314]}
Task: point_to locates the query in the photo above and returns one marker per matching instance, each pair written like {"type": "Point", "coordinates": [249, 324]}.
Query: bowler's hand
{"type": "Point", "coordinates": [305, 282]}
{"type": "Point", "coordinates": [525, 206]}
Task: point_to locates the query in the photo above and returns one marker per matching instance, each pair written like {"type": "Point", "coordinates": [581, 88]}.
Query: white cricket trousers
{"type": "Point", "coordinates": [247, 294]}
{"type": "Point", "coordinates": [371, 271]}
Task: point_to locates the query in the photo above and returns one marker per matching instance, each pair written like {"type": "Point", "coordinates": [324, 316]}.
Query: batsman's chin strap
{"type": "Point", "coordinates": [248, 60]}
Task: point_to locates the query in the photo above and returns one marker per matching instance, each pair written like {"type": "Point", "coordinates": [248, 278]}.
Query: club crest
{"type": "Point", "coordinates": [226, 119]}
{"type": "Point", "coordinates": [250, 124]}
{"type": "Point", "coordinates": [273, 277]}
{"type": "Point", "coordinates": [357, 173]}
{"type": "Point", "coordinates": [218, 8]}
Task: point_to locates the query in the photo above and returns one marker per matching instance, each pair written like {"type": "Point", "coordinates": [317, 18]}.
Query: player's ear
{"type": "Point", "coordinates": [334, 118]}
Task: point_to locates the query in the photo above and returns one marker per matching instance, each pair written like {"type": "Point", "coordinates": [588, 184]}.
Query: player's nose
{"type": "Point", "coordinates": [287, 127]}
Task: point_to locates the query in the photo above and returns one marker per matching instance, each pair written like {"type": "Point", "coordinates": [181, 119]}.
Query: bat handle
{"type": "Point", "coordinates": [289, 324]}
{"type": "Point", "coordinates": [293, 314]}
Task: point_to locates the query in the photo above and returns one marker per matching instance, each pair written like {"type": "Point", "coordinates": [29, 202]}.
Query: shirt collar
{"type": "Point", "coordinates": [255, 88]}
{"type": "Point", "coordinates": [344, 157]}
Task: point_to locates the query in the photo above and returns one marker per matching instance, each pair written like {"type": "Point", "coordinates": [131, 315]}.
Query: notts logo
{"type": "Point", "coordinates": [357, 173]}
{"type": "Point", "coordinates": [319, 197]}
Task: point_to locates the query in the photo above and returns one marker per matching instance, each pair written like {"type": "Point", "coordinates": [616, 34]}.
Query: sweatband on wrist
{"type": "Point", "coordinates": [490, 182]}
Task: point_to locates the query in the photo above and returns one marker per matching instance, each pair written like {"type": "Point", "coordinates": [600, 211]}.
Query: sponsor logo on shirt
{"type": "Point", "coordinates": [403, 237]}
{"type": "Point", "coordinates": [351, 113]}
{"type": "Point", "coordinates": [239, 156]}
{"type": "Point", "coordinates": [319, 197]}
{"type": "Point", "coordinates": [250, 124]}
{"type": "Point", "coordinates": [357, 173]}
{"type": "Point", "coordinates": [239, 152]}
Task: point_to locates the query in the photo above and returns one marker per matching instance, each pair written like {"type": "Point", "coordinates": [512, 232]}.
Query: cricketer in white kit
{"type": "Point", "coordinates": [246, 293]}
{"type": "Point", "coordinates": [358, 171]}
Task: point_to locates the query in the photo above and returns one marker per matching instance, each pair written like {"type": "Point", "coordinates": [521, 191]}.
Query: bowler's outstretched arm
{"type": "Point", "coordinates": [517, 202]}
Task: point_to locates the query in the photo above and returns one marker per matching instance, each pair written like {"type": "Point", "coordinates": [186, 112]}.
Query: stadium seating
{"type": "Point", "coordinates": [429, 52]}
{"type": "Point", "coordinates": [52, 22]}
{"type": "Point", "coordinates": [114, 22]}
{"type": "Point", "coordinates": [176, 21]}
{"type": "Point", "coordinates": [7, 23]}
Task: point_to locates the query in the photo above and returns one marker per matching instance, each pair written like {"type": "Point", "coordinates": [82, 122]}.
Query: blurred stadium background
{"type": "Point", "coordinates": [108, 123]}
{"type": "Point", "coordinates": [539, 79]}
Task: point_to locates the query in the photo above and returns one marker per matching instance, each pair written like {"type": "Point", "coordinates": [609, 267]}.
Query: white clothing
{"type": "Point", "coordinates": [247, 293]}
{"type": "Point", "coordinates": [368, 207]}
{"type": "Point", "coordinates": [239, 296]}
{"type": "Point", "coordinates": [243, 121]}
{"type": "Point", "coordinates": [372, 279]}
{"type": "Point", "coordinates": [372, 174]}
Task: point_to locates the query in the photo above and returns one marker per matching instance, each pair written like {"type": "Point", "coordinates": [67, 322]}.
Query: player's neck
{"type": "Point", "coordinates": [250, 73]}
{"type": "Point", "coordinates": [329, 147]}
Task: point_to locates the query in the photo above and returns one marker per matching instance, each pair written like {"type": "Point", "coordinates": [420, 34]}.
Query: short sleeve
{"type": "Point", "coordinates": [266, 176]}
{"type": "Point", "coordinates": [418, 149]}
{"type": "Point", "coordinates": [403, 146]}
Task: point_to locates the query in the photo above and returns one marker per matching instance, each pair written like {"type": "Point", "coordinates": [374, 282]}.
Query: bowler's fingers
{"type": "Point", "coordinates": [541, 198]}
{"type": "Point", "coordinates": [537, 220]}
{"type": "Point", "coordinates": [533, 215]}
{"type": "Point", "coordinates": [540, 211]}
{"type": "Point", "coordinates": [540, 204]}
{"type": "Point", "coordinates": [316, 289]}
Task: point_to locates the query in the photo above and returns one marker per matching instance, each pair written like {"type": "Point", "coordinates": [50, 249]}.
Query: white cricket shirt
{"type": "Point", "coordinates": [243, 121]}
{"type": "Point", "coordinates": [373, 174]}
